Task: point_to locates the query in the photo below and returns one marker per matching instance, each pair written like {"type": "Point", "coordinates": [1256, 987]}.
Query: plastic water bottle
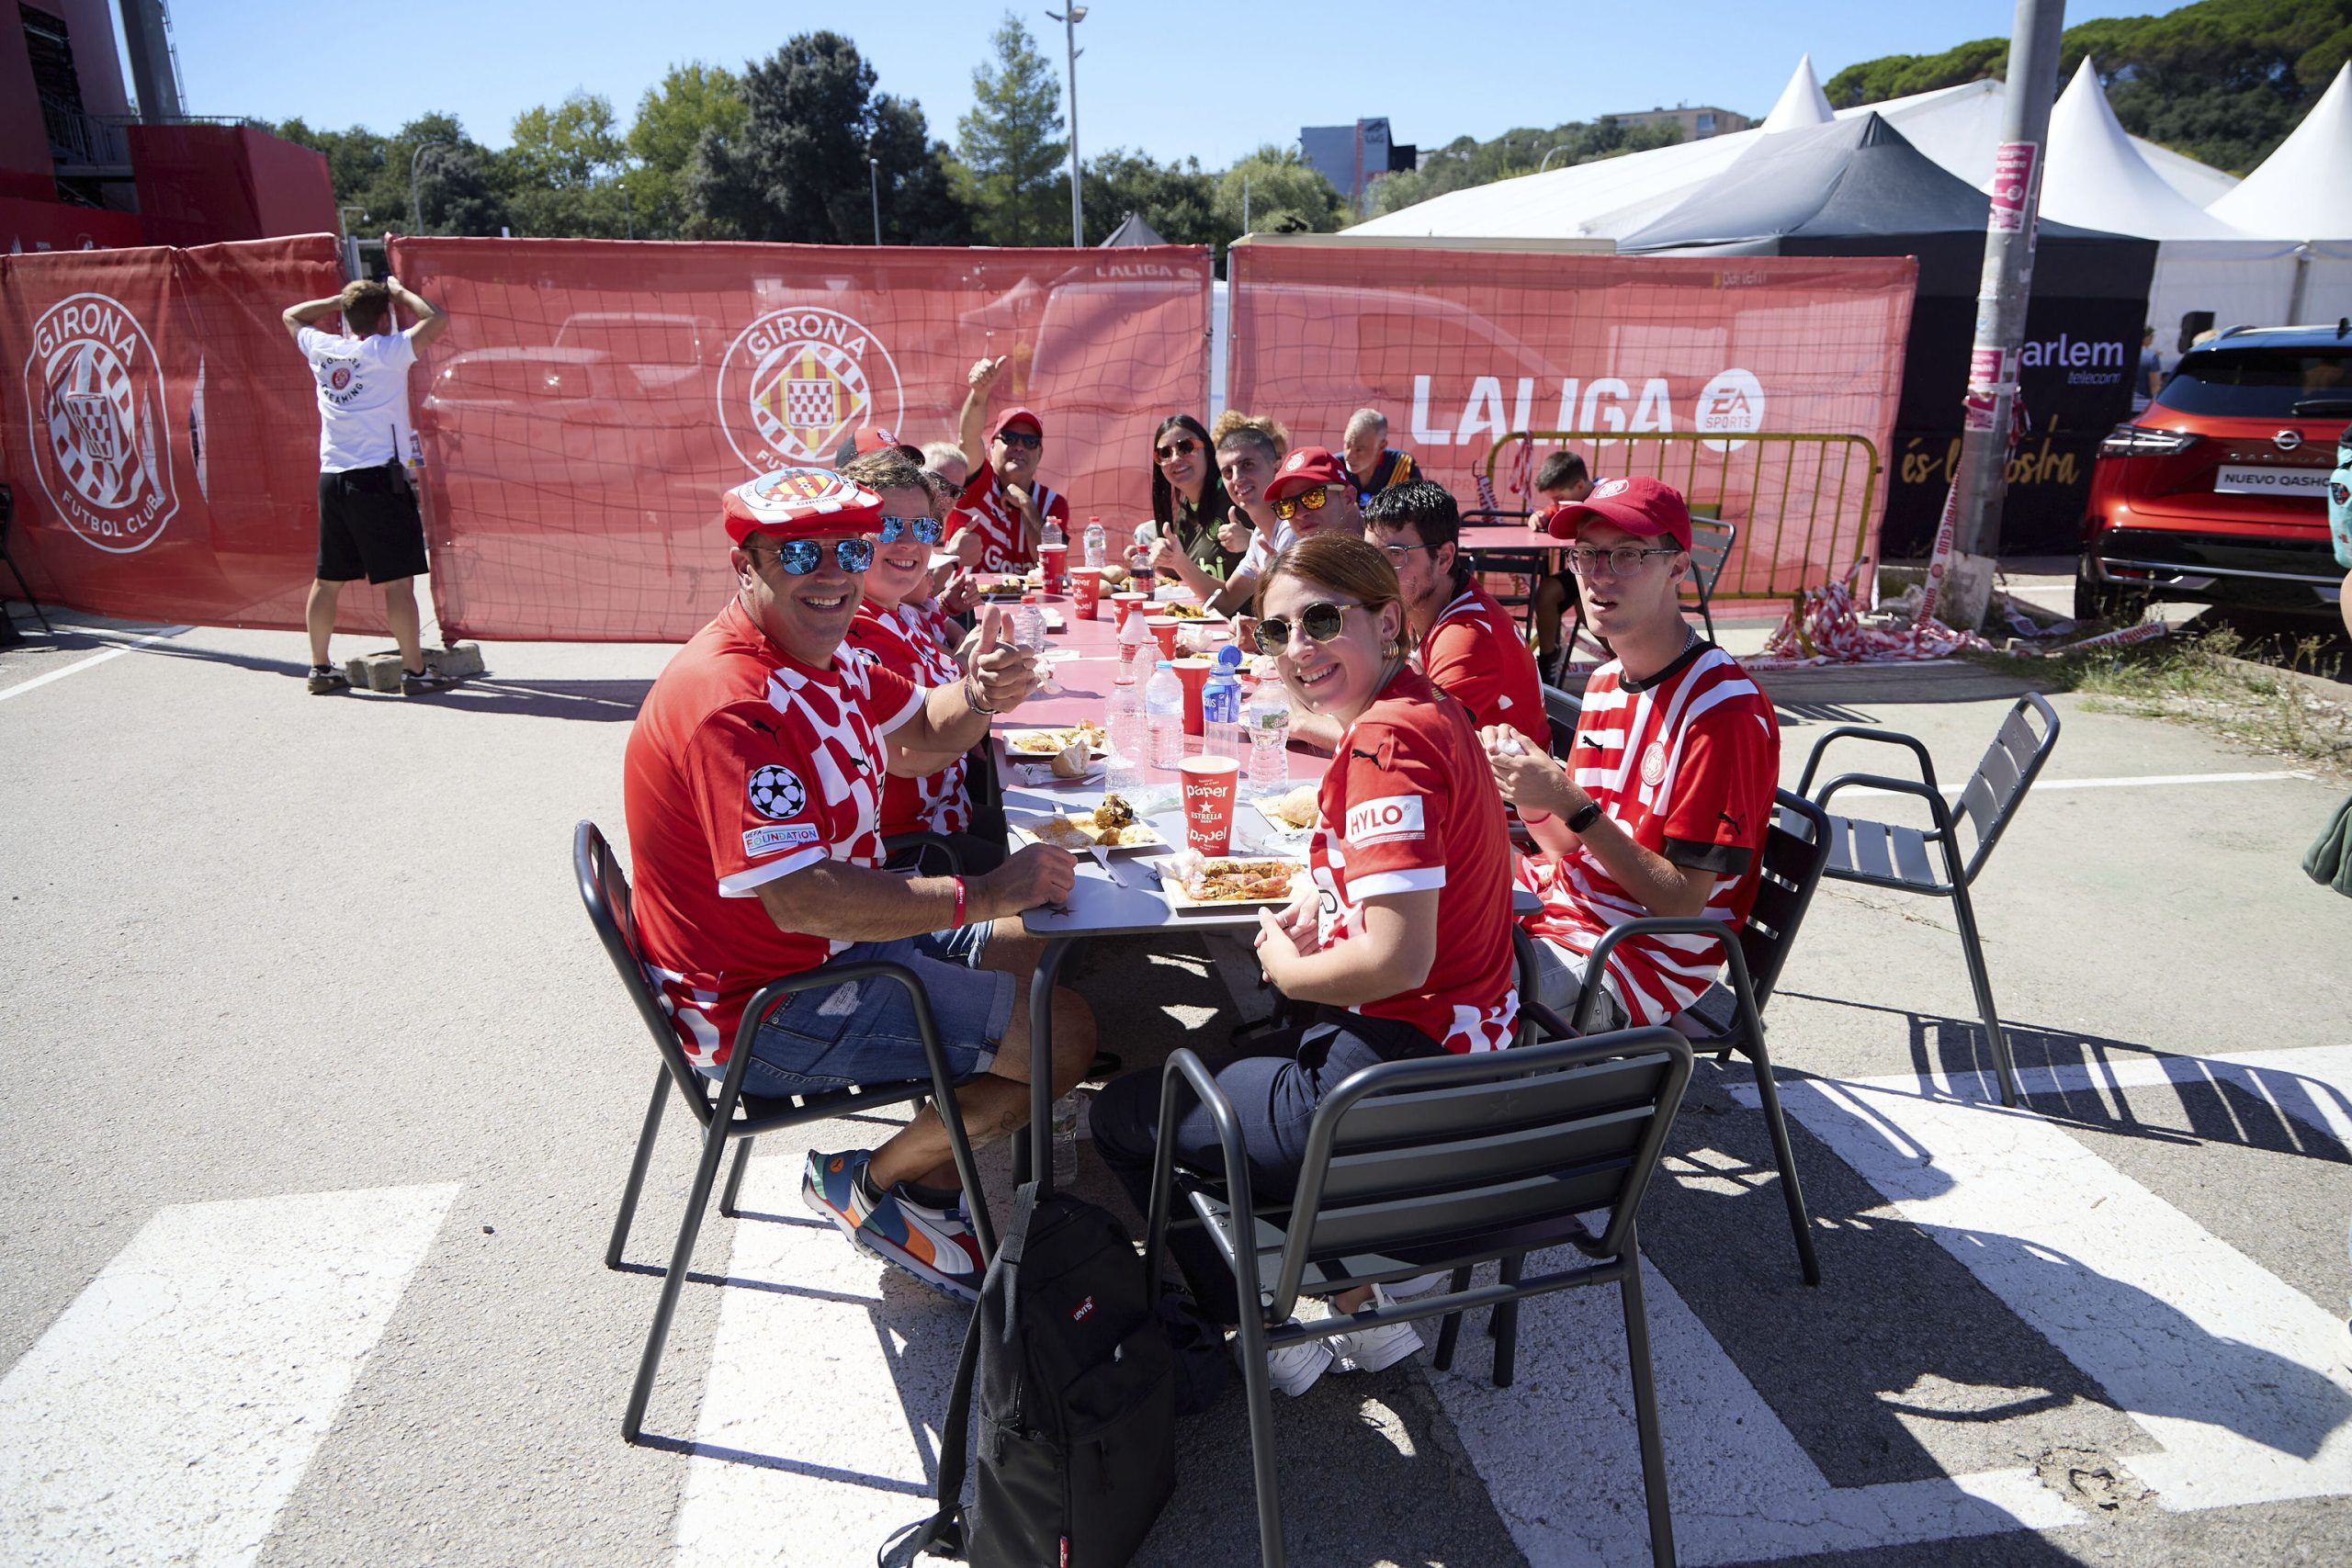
{"type": "Point", "coordinates": [1269, 724]}
{"type": "Point", "coordinates": [1065, 1140]}
{"type": "Point", "coordinates": [1163, 711]}
{"type": "Point", "coordinates": [1221, 706]}
{"type": "Point", "coordinates": [1098, 543]}
{"type": "Point", "coordinates": [1029, 625]}
{"type": "Point", "coordinates": [1128, 738]}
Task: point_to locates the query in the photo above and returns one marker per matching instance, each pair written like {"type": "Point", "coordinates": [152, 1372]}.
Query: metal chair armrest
{"type": "Point", "coordinates": [1862, 732]}
{"type": "Point", "coordinates": [926, 844]}
{"type": "Point", "coordinates": [1185, 1068]}
{"type": "Point", "coordinates": [1669, 925]}
{"type": "Point", "coordinates": [1927, 792]}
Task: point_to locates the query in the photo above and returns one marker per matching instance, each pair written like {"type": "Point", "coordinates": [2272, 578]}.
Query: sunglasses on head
{"type": "Point", "coordinates": [1311, 500]}
{"type": "Point", "coordinates": [927, 529]}
{"type": "Point", "coordinates": [800, 556]}
{"type": "Point", "coordinates": [1322, 622]}
{"type": "Point", "coordinates": [1183, 447]}
{"type": "Point", "coordinates": [1025, 440]}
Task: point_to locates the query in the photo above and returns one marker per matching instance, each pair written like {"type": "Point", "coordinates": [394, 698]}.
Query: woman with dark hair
{"type": "Point", "coordinates": [1188, 506]}
{"type": "Point", "coordinates": [1409, 842]}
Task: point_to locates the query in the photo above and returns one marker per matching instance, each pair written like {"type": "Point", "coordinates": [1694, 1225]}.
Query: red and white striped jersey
{"type": "Point", "coordinates": [1685, 763]}
{"type": "Point", "coordinates": [746, 765]}
{"type": "Point", "coordinates": [903, 640]}
{"type": "Point", "coordinates": [1005, 542]}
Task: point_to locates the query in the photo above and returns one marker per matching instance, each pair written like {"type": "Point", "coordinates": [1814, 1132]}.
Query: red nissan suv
{"type": "Point", "coordinates": [2217, 491]}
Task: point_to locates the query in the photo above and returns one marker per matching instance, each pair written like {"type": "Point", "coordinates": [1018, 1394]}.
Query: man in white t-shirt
{"type": "Point", "coordinates": [368, 525]}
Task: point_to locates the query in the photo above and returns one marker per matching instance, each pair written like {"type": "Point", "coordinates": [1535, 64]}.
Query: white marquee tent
{"type": "Point", "coordinates": [2304, 188]}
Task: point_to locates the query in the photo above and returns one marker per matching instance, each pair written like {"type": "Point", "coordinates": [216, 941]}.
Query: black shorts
{"type": "Point", "coordinates": [368, 525]}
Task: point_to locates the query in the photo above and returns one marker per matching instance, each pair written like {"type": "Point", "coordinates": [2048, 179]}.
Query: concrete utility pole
{"type": "Point", "coordinates": [2001, 300]}
{"type": "Point", "coordinates": [1069, 21]}
{"type": "Point", "coordinates": [874, 176]}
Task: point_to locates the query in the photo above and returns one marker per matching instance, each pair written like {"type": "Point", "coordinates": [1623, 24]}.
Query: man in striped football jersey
{"type": "Point", "coordinates": [1663, 802]}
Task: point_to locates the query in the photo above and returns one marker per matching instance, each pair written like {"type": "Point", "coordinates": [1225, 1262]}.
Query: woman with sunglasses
{"type": "Point", "coordinates": [1188, 505]}
{"type": "Point", "coordinates": [896, 629]}
{"type": "Point", "coordinates": [1409, 842]}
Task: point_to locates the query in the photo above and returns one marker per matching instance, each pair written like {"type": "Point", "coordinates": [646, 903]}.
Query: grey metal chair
{"type": "Point", "coordinates": [726, 1112]}
{"type": "Point", "coordinates": [1562, 709]}
{"type": "Point", "coordinates": [1730, 1017]}
{"type": "Point", "coordinates": [1440, 1163]}
{"type": "Point", "coordinates": [1884, 855]}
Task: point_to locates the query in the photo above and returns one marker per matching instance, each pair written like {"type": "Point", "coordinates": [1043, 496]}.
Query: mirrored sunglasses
{"type": "Point", "coordinates": [1311, 500]}
{"type": "Point", "coordinates": [927, 529]}
{"type": "Point", "coordinates": [800, 556]}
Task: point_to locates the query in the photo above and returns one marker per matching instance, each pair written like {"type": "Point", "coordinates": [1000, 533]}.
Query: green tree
{"type": "Point", "coordinates": [671, 121]}
{"type": "Point", "coordinates": [1178, 200]}
{"type": "Point", "coordinates": [1286, 196]}
{"type": "Point", "coordinates": [795, 168]}
{"type": "Point", "coordinates": [562, 173]}
{"type": "Point", "coordinates": [1009, 145]}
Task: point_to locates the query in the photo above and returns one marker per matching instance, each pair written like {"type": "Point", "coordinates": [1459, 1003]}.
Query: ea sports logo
{"type": "Point", "coordinates": [797, 380]}
{"type": "Point", "coordinates": [102, 448]}
{"type": "Point", "coordinates": [777, 791]}
{"type": "Point", "coordinates": [1732, 400]}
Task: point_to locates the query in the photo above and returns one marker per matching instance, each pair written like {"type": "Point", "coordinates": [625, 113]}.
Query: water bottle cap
{"type": "Point", "coordinates": [1228, 659]}
{"type": "Point", "coordinates": [1162, 665]}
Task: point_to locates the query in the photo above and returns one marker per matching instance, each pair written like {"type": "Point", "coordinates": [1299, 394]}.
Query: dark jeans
{"type": "Point", "coordinates": [1274, 1089]}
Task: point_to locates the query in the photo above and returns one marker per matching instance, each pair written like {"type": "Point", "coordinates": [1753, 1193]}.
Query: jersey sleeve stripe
{"type": "Point", "coordinates": [1426, 879]}
{"type": "Point", "coordinates": [742, 883]}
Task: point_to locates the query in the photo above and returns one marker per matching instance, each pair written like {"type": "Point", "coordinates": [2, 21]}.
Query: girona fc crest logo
{"type": "Point", "coordinates": [797, 380]}
{"type": "Point", "coordinates": [102, 450]}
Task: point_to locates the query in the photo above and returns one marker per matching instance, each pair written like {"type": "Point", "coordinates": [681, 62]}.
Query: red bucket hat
{"type": "Point", "coordinates": [1640, 506]}
{"type": "Point", "coordinates": [1303, 469]}
{"type": "Point", "coordinates": [798, 504]}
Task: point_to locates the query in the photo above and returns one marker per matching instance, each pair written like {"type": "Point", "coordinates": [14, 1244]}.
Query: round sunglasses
{"type": "Point", "coordinates": [1312, 500]}
{"type": "Point", "coordinates": [1321, 621]}
{"type": "Point", "coordinates": [927, 529]}
{"type": "Point", "coordinates": [800, 556]}
{"type": "Point", "coordinates": [1183, 447]}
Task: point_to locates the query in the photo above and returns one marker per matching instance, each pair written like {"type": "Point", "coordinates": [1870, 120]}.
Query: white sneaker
{"type": "Point", "coordinates": [1380, 1347]}
{"type": "Point", "coordinates": [1418, 1285]}
{"type": "Point", "coordinates": [1294, 1368]}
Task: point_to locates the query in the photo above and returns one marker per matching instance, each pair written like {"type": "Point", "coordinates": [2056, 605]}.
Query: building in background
{"type": "Point", "coordinates": [82, 167]}
{"type": "Point", "coordinates": [1696, 123]}
{"type": "Point", "coordinates": [1352, 156]}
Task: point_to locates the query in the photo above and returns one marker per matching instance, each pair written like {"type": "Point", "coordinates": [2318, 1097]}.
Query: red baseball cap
{"type": "Point", "coordinates": [866, 438]}
{"type": "Point", "coordinates": [1303, 469]}
{"type": "Point", "coordinates": [1640, 506]}
{"type": "Point", "coordinates": [798, 504]}
{"type": "Point", "coordinates": [1018, 416]}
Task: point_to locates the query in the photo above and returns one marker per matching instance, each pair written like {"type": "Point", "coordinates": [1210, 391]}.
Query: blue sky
{"type": "Point", "coordinates": [1210, 80]}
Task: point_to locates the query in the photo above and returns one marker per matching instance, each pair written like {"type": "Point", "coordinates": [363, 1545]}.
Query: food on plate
{"type": "Point", "coordinates": [1114, 812]}
{"type": "Point", "coordinates": [1183, 612]}
{"type": "Point", "coordinates": [1046, 742]}
{"type": "Point", "coordinates": [1241, 881]}
{"type": "Point", "coordinates": [1296, 810]}
{"type": "Point", "coordinates": [1114, 576]}
{"type": "Point", "coordinates": [1073, 760]}
{"type": "Point", "coordinates": [1079, 832]}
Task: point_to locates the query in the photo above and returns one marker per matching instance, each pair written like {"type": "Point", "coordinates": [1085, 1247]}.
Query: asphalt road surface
{"type": "Point", "coordinates": [321, 1096]}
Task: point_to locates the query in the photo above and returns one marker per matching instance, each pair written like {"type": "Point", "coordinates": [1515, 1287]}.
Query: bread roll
{"type": "Point", "coordinates": [1073, 760]}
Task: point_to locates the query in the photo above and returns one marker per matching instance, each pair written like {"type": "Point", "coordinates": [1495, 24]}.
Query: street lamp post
{"type": "Point", "coordinates": [1547, 156]}
{"type": "Point", "coordinates": [1069, 21]}
{"type": "Point", "coordinates": [874, 173]}
{"type": "Point", "coordinates": [415, 207]}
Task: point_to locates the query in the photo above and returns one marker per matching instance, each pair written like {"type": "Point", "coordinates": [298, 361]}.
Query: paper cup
{"type": "Point", "coordinates": [1209, 785]}
{"type": "Point", "coordinates": [1195, 673]}
{"type": "Point", "coordinates": [1085, 590]}
{"type": "Point", "coordinates": [1126, 605]}
{"type": "Point", "coordinates": [1163, 628]}
{"type": "Point", "coordinates": [1053, 565]}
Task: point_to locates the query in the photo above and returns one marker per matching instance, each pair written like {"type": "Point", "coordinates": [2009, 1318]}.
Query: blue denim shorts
{"type": "Point", "coordinates": [864, 1031]}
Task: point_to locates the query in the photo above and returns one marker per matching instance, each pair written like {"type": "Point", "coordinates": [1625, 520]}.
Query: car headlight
{"type": "Point", "coordinates": [2141, 441]}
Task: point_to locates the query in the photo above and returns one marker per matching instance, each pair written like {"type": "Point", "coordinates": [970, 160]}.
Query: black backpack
{"type": "Point", "coordinates": [1076, 1396]}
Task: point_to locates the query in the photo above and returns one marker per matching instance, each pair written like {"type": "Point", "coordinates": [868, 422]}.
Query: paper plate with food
{"type": "Point", "coordinates": [1291, 815]}
{"type": "Point", "coordinates": [1039, 745]}
{"type": "Point", "coordinates": [1196, 884]}
{"type": "Point", "coordinates": [1112, 826]}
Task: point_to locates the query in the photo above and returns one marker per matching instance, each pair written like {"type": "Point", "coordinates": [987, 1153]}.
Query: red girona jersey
{"type": "Point", "coordinates": [1684, 762]}
{"type": "Point", "coordinates": [1005, 542]}
{"type": "Point", "coordinates": [1408, 804]}
{"type": "Point", "coordinates": [1475, 656]}
{"type": "Point", "coordinates": [906, 642]}
{"type": "Point", "coordinates": [746, 765]}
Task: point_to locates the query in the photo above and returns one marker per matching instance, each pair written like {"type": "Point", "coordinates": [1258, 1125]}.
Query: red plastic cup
{"type": "Point", "coordinates": [1085, 590]}
{"type": "Point", "coordinates": [1053, 565]}
{"type": "Point", "coordinates": [1126, 605]}
{"type": "Point", "coordinates": [1195, 673]}
{"type": "Point", "coordinates": [1164, 627]}
{"type": "Point", "coordinates": [1208, 802]}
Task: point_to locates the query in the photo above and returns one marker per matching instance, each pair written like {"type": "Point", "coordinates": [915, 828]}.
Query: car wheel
{"type": "Point", "coordinates": [2107, 600]}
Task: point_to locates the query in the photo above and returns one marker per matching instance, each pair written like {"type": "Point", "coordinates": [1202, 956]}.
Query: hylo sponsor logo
{"type": "Point", "coordinates": [1388, 816]}
{"type": "Point", "coordinates": [94, 398]}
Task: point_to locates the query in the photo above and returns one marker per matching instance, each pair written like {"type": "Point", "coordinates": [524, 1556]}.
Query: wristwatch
{"type": "Point", "coordinates": [1585, 817]}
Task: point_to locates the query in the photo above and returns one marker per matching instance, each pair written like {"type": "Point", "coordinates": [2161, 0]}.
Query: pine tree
{"type": "Point", "coordinates": [1009, 144]}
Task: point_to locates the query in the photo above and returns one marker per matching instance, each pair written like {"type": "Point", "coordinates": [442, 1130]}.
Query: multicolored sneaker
{"type": "Point", "coordinates": [935, 1245]}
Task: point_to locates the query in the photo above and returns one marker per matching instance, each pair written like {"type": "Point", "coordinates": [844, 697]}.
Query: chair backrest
{"type": "Point", "coordinates": [1994, 792]}
{"type": "Point", "coordinates": [603, 889]}
{"type": "Point", "coordinates": [1711, 545]}
{"type": "Point", "coordinates": [1453, 1153]}
{"type": "Point", "coordinates": [1561, 708]}
{"type": "Point", "coordinates": [1796, 851]}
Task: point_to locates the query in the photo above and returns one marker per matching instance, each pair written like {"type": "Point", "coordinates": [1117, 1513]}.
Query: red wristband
{"type": "Point", "coordinates": [957, 923]}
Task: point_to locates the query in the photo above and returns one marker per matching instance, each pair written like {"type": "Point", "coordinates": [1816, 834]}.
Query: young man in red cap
{"type": "Point", "coordinates": [754, 788]}
{"type": "Point", "coordinates": [1003, 503]}
{"type": "Point", "coordinates": [1662, 805]}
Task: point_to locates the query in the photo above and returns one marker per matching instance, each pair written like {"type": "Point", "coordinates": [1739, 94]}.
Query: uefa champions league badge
{"type": "Point", "coordinates": [94, 402]}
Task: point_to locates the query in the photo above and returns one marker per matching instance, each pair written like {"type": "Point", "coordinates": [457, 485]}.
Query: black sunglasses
{"type": "Point", "coordinates": [1027, 440]}
{"type": "Point", "coordinates": [800, 556]}
{"type": "Point", "coordinates": [1183, 447]}
{"type": "Point", "coordinates": [1321, 621]}
{"type": "Point", "coordinates": [927, 529]}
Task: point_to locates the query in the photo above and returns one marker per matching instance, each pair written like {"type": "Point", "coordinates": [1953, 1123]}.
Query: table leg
{"type": "Point", "coordinates": [1035, 1156]}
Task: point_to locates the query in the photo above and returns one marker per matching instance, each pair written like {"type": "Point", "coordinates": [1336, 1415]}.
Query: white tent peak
{"type": "Point", "coordinates": [1802, 101]}
{"type": "Point", "coordinates": [2304, 188]}
{"type": "Point", "coordinates": [2096, 178]}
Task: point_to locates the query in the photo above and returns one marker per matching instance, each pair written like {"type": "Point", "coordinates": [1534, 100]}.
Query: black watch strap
{"type": "Point", "coordinates": [1585, 817]}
